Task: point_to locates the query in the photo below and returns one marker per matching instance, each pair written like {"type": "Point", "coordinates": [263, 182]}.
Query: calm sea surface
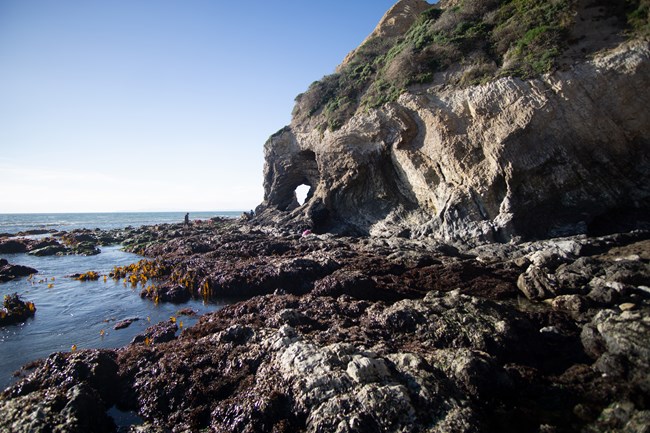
{"type": "Point", "coordinates": [14, 223]}
{"type": "Point", "coordinates": [70, 312]}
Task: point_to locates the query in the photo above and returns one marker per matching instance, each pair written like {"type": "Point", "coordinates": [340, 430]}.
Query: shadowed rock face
{"type": "Point", "coordinates": [562, 154]}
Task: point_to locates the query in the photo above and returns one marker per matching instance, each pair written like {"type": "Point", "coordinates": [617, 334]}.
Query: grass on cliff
{"type": "Point", "coordinates": [484, 39]}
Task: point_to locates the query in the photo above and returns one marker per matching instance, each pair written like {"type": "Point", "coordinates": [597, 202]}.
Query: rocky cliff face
{"type": "Point", "coordinates": [562, 153]}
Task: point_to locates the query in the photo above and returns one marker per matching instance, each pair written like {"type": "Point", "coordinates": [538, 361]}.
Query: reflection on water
{"type": "Point", "coordinates": [77, 313]}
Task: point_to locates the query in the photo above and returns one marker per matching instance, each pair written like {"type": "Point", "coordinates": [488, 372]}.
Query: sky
{"type": "Point", "coordinates": [156, 105]}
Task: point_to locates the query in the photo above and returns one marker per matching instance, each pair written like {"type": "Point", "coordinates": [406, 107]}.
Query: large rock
{"type": "Point", "coordinates": [310, 364]}
{"type": "Point", "coordinates": [67, 393]}
{"type": "Point", "coordinates": [560, 154]}
{"type": "Point", "coordinates": [49, 250]}
{"type": "Point", "coordinates": [13, 246]}
{"type": "Point", "coordinates": [9, 272]}
{"type": "Point", "coordinates": [619, 342]}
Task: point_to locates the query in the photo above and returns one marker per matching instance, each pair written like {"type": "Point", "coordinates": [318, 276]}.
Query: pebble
{"type": "Point", "coordinates": [627, 306]}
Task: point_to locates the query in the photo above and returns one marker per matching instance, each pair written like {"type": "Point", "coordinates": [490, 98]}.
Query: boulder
{"type": "Point", "coordinates": [50, 250]}
{"type": "Point", "coordinates": [618, 341]}
{"type": "Point", "coordinates": [9, 272]}
{"type": "Point", "coordinates": [12, 246]}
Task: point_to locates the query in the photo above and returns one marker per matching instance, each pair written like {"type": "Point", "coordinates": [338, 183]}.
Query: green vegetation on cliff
{"type": "Point", "coordinates": [478, 40]}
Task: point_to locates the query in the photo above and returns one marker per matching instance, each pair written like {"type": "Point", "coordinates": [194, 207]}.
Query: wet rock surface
{"type": "Point", "coordinates": [9, 272]}
{"type": "Point", "coordinates": [15, 310]}
{"type": "Point", "coordinates": [365, 334]}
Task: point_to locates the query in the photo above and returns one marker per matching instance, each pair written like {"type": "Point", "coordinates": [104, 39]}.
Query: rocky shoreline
{"type": "Point", "coordinates": [359, 334]}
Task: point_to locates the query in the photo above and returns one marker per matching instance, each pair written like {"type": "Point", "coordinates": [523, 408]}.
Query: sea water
{"type": "Point", "coordinates": [14, 223]}
{"type": "Point", "coordinates": [82, 313]}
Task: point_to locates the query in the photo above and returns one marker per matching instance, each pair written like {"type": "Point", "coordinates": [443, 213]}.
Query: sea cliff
{"type": "Point", "coordinates": [473, 255]}
{"type": "Point", "coordinates": [518, 155]}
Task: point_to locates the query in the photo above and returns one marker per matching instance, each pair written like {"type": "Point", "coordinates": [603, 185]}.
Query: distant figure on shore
{"type": "Point", "coordinates": [187, 220]}
{"type": "Point", "coordinates": [247, 216]}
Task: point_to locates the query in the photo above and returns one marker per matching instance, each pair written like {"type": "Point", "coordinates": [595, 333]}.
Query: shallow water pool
{"type": "Point", "coordinates": [79, 313]}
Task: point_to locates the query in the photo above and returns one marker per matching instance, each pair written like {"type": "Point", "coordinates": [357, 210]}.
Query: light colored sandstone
{"type": "Point", "coordinates": [476, 164]}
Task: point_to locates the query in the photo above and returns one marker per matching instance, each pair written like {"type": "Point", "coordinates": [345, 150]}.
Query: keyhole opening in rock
{"type": "Point", "coordinates": [302, 192]}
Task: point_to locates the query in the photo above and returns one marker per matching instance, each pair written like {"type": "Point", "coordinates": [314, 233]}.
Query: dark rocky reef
{"type": "Point", "coordinates": [363, 334]}
{"type": "Point", "coordinates": [49, 246]}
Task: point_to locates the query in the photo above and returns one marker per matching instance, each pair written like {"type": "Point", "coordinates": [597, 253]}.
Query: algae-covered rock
{"type": "Point", "coordinates": [15, 310]}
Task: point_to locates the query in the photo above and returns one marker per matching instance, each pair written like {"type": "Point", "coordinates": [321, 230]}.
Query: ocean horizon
{"type": "Point", "coordinates": [12, 223]}
{"type": "Point", "coordinates": [83, 313]}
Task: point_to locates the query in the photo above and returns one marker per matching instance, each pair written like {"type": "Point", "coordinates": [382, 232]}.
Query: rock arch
{"type": "Point", "coordinates": [301, 169]}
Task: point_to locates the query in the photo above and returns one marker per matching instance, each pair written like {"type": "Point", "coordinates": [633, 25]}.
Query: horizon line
{"type": "Point", "coordinates": [121, 211]}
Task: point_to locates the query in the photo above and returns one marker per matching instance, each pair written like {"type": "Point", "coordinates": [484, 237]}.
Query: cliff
{"type": "Point", "coordinates": [466, 122]}
{"type": "Point", "coordinates": [474, 122]}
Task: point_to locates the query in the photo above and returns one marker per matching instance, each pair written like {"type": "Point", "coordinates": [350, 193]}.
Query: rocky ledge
{"type": "Point", "coordinates": [365, 334]}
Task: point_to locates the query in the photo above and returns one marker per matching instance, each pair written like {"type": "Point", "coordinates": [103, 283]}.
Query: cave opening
{"type": "Point", "coordinates": [303, 193]}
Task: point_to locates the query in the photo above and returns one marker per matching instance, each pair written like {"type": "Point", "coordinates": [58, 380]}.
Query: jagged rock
{"type": "Point", "coordinates": [15, 310]}
{"type": "Point", "coordinates": [125, 323]}
{"type": "Point", "coordinates": [174, 293]}
{"type": "Point", "coordinates": [447, 362]}
{"type": "Point", "coordinates": [476, 372]}
{"type": "Point", "coordinates": [619, 342]}
{"type": "Point", "coordinates": [623, 417]}
{"type": "Point", "coordinates": [85, 249]}
{"type": "Point", "coordinates": [395, 22]}
{"type": "Point", "coordinates": [570, 303]}
{"type": "Point", "coordinates": [9, 272]}
{"type": "Point", "coordinates": [355, 283]}
{"type": "Point", "coordinates": [537, 283]}
{"type": "Point", "coordinates": [404, 333]}
{"type": "Point", "coordinates": [159, 333]}
{"type": "Point", "coordinates": [66, 393]}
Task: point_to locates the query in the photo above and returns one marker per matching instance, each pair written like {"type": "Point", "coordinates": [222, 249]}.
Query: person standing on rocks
{"type": "Point", "coordinates": [187, 220]}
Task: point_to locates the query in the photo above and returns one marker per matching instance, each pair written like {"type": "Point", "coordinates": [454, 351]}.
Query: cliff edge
{"type": "Point", "coordinates": [474, 122]}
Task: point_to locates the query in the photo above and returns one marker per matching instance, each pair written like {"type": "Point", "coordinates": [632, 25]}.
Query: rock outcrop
{"type": "Point", "coordinates": [564, 153]}
{"type": "Point", "coordinates": [395, 22]}
{"type": "Point", "coordinates": [429, 325]}
{"type": "Point", "coordinates": [9, 272]}
{"type": "Point", "coordinates": [368, 334]}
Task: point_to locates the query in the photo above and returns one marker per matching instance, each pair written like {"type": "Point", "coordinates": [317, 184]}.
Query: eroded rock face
{"type": "Point", "coordinates": [562, 154]}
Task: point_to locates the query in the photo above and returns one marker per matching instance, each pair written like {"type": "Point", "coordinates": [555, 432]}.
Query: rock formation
{"type": "Point", "coordinates": [390, 335]}
{"type": "Point", "coordinates": [563, 153]}
{"type": "Point", "coordinates": [451, 127]}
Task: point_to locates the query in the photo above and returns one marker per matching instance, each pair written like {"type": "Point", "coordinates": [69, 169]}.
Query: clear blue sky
{"type": "Point", "coordinates": [141, 105]}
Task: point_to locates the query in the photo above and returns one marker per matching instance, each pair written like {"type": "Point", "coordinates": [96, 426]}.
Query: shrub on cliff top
{"type": "Point", "coordinates": [486, 38]}
{"type": "Point", "coordinates": [638, 16]}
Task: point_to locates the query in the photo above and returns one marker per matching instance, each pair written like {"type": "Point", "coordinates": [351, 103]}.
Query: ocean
{"type": "Point", "coordinates": [14, 223]}
{"type": "Point", "coordinates": [82, 314]}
